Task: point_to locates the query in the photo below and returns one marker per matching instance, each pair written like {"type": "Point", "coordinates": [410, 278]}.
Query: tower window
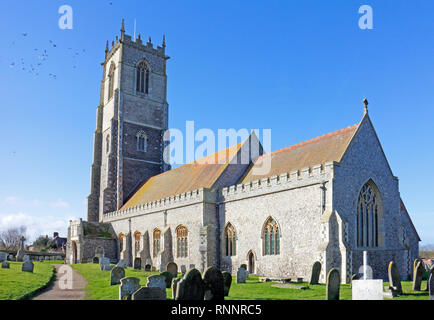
{"type": "Point", "coordinates": [111, 79]}
{"type": "Point", "coordinates": [230, 240]}
{"type": "Point", "coordinates": [142, 82]}
{"type": "Point", "coordinates": [368, 212]}
{"type": "Point", "coordinates": [182, 242]}
{"type": "Point", "coordinates": [271, 236]}
{"type": "Point", "coordinates": [141, 141]}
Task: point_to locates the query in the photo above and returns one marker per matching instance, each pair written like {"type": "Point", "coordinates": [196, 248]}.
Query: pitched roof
{"type": "Point", "coordinates": [201, 173]}
{"type": "Point", "coordinates": [329, 147]}
{"type": "Point", "coordinates": [404, 209]}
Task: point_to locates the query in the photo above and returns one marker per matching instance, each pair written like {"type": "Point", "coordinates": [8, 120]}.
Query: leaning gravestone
{"type": "Point", "coordinates": [3, 256]}
{"type": "Point", "coordinates": [175, 287]}
{"type": "Point", "coordinates": [168, 278]}
{"type": "Point", "coordinates": [394, 279]}
{"type": "Point", "coordinates": [172, 267]}
{"type": "Point", "coordinates": [148, 268]}
{"type": "Point", "coordinates": [431, 285]}
{"type": "Point", "coordinates": [116, 275]}
{"type": "Point", "coordinates": [5, 265]}
{"type": "Point", "coordinates": [152, 293]}
{"type": "Point", "coordinates": [27, 266]}
{"type": "Point", "coordinates": [316, 270]}
{"type": "Point", "coordinates": [417, 276]}
{"type": "Point", "coordinates": [333, 285]}
{"type": "Point", "coordinates": [137, 263]}
{"type": "Point", "coordinates": [241, 275]}
{"type": "Point", "coordinates": [214, 284]}
{"type": "Point", "coordinates": [227, 281]}
{"type": "Point", "coordinates": [191, 287]}
{"type": "Point", "coordinates": [128, 287]}
{"type": "Point", "coordinates": [156, 281]}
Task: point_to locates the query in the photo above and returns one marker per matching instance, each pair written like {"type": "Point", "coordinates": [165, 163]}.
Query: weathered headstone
{"type": "Point", "coordinates": [241, 275]}
{"type": "Point", "coordinates": [158, 281]}
{"type": "Point", "coordinates": [183, 269]}
{"type": "Point", "coordinates": [333, 285]}
{"type": "Point", "coordinates": [227, 280]}
{"type": "Point", "coordinates": [5, 265]}
{"type": "Point", "coordinates": [394, 279]}
{"type": "Point", "coordinates": [191, 287]}
{"type": "Point", "coordinates": [121, 264]}
{"type": "Point", "coordinates": [20, 253]}
{"type": "Point", "coordinates": [371, 289]}
{"type": "Point", "coordinates": [175, 287]}
{"type": "Point", "coordinates": [417, 276]}
{"type": "Point", "coordinates": [116, 275]}
{"type": "Point", "coordinates": [431, 285]}
{"type": "Point", "coordinates": [172, 267]}
{"type": "Point", "coordinates": [3, 256]}
{"type": "Point", "coordinates": [26, 258]}
{"type": "Point", "coordinates": [316, 270]}
{"type": "Point", "coordinates": [214, 284]}
{"type": "Point", "coordinates": [149, 293]}
{"type": "Point", "coordinates": [27, 266]}
{"type": "Point", "coordinates": [128, 287]}
{"type": "Point", "coordinates": [137, 263]}
{"type": "Point", "coordinates": [104, 263]}
{"type": "Point", "coordinates": [167, 278]}
{"type": "Point", "coordinates": [148, 268]}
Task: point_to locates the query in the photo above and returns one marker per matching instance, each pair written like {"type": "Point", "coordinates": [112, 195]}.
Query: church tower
{"type": "Point", "coordinates": [131, 119]}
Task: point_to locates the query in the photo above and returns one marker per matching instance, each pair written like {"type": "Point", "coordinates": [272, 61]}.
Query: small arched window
{"type": "Point", "coordinates": [271, 237]}
{"type": "Point", "coordinates": [182, 242]}
{"type": "Point", "coordinates": [137, 235]}
{"type": "Point", "coordinates": [121, 242]}
{"type": "Point", "coordinates": [156, 242]}
{"type": "Point", "coordinates": [230, 241]}
{"type": "Point", "coordinates": [111, 79]}
{"type": "Point", "coordinates": [368, 213]}
{"type": "Point", "coordinates": [107, 143]}
{"type": "Point", "coordinates": [141, 141]}
{"type": "Point", "coordinates": [142, 82]}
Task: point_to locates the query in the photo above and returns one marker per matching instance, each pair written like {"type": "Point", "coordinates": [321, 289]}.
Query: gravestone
{"type": "Point", "coordinates": [26, 258]}
{"type": "Point", "coordinates": [148, 268]}
{"type": "Point", "coordinates": [3, 256]}
{"type": "Point", "coordinates": [27, 266]}
{"type": "Point", "coordinates": [183, 269]}
{"type": "Point", "coordinates": [95, 260]}
{"type": "Point", "coordinates": [167, 278]}
{"type": "Point", "coordinates": [128, 287]}
{"type": "Point", "coordinates": [11, 258]}
{"type": "Point", "coordinates": [162, 268]}
{"type": "Point", "coordinates": [149, 293]}
{"type": "Point", "coordinates": [191, 287]}
{"type": "Point", "coordinates": [431, 271]}
{"type": "Point", "coordinates": [371, 289]}
{"type": "Point", "coordinates": [241, 275]}
{"type": "Point", "coordinates": [431, 285]}
{"type": "Point", "coordinates": [316, 270]}
{"type": "Point", "coordinates": [5, 265]}
{"type": "Point", "coordinates": [172, 267]}
{"type": "Point", "coordinates": [394, 279]}
{"type": "Point", "coordinates": [227, 281]}
{"type": "Point", "coordinates": [121, 264]}
{"type": "Point", "coordinates": [116, 275]}
{"type": "Point", "coordinates": [20, 253]}
{"type": "Point", "coordinates": [417, 276]}
{"type": "Point", "coordinates": [214, 284]}
{"type": "Point", "coordinates": [157, 281]}
{"type": "Point", "coordinates": [99, 252]}
{"type": "Point", "coordinates": [104, 263]}
{"type": "Point", "coordinates": [137, 264]}
{"type": "Point", "coordinates": [333, 285]}
{"type": "Point", "coordinates": [175, 287]}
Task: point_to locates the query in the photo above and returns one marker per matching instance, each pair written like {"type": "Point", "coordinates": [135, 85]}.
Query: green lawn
{"type": "Point", "coordinates": [16, 285]}
{"type": "Point", "coordinates": [99, 287]}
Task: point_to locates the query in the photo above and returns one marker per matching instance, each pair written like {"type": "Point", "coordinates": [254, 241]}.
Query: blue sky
{"type": "Point", "coordinates": [300, 68]}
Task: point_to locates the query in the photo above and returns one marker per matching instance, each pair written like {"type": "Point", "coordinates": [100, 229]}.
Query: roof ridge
{"type": "Point", "coordinates": [310, 141]}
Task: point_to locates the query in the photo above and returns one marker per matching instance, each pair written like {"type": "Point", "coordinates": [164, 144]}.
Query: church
{"type": "Point", "coordinates": [327, 199]}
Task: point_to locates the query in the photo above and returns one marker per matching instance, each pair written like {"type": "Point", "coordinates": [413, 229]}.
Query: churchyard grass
{"type": "Point", "coordinates": [18, 285]}
{"type": "Point", "coordinates": [99, 288]}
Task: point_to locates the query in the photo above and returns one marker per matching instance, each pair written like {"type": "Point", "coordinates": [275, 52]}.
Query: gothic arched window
{"type": "Point", "coordinates": [111, 79]}
{"type": "Point", "coordinates": [230, 241]}
{"type": "Point", "coordinates": [156, 242]}
{"type": "Point", "coordinates": [121, 242]}
{"type": "Point", "coordinates": [142, 82]}
{"type": "Point", "coordinates": [141, 141]}
{"type": "Point", "coordinates": [271, 237]}
{"type": "Point", "coordinates": [107, 143]}
{"type": "Point", "coordinates": [368, 213]}
{"type": "Point", "coordinates": [181, 242]}
{"type": "Point", "coordinates": [137, 235]}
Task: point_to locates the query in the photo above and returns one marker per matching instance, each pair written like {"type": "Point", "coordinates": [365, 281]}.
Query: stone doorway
{"type": "Point", "coordinates": [74, 252]}
{"type": "Point", "coordinates": [251, 258]}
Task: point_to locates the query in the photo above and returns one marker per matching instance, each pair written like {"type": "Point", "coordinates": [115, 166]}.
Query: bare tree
{"type": "Point", "coordinates": [10, 238]}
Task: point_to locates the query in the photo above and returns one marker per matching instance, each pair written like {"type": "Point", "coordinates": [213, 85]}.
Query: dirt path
{"type": "Point", "coordinates": [61, 289]}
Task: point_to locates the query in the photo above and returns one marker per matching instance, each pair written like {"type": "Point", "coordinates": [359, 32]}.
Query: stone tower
{"type": "Point", "coordinates": [132, 117]}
